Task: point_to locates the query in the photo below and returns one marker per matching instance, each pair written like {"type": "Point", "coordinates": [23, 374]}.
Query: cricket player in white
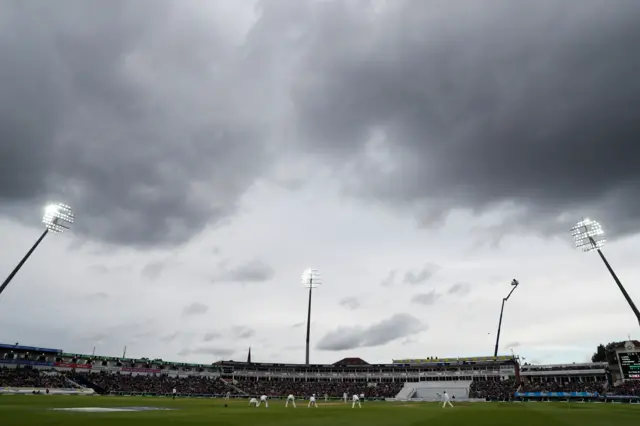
{"type": "Point", "coordinates": [445, 395]}
{"type": "Point", "coordinates": [226, 397]}
{"type": "Point", "coordinates": [312, 401]}
{"type": "Point", "coordinates": [345, 397]}
{"type": "Point", "coordinates": [290, 399]}
{"type": "Point", "coordinates": [263, 398]}
{"type": "Point", "coordinates": [356, 400]}
{"type": "Point", "coordinates": [326, 397]}
{"type": "Point", "coordinates": [253, 402]}
{"type": "Point", "coordinates": [174, 393]}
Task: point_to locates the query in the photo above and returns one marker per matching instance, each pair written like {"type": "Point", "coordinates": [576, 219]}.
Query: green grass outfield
{"type": "Point", "coordinates": [27, 410]}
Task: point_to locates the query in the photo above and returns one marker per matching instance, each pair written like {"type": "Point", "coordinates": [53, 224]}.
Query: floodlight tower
{"type": "Point", "coordinates": [311, 279]}
{"type": "Point", "coordinates": [57, 218]}
{"type": "Point", "coordinates": [588, 235]}
{"type": "Point", "coordinates": [515, 284]}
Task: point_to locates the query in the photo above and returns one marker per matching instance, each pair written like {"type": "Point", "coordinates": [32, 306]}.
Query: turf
{"type": "Point", "coordinates": [27, 410]}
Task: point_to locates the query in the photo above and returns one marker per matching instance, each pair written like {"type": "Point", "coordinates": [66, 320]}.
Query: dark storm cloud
{"type": "Point", "coordinates": [152, 124]}
{"type": "Point", "coordinates": [128, 111]}
{"type": "Point", "coordinates": [381, 333]}
{"type": "Point", "coordinates": [421, 276]}
{"type": "Point", "coordinates": [474, 104]}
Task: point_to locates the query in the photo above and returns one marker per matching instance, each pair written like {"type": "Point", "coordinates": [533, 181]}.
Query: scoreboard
{"type": "Point", "coordinates": [629, 365]}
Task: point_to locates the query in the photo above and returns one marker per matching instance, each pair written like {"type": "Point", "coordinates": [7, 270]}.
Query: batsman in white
{"type": "Point", "coordinates": [263, 398]}
{"type": "Point", "coordinates": [253, 402]}
{"type": "Point", "coordinates": [356, 400]}
{"type": "Point", "coordinates": [345, 397]}
{"type": "Point", "coordinates": [290, 399]}
{"type": "Point", "coordinates": [447, 400]}
{"type": "Point", "coordinates": [312, 401]}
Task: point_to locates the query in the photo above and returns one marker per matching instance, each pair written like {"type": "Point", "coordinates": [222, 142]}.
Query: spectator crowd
{"type": "Point", "coordinates": [492, 389]}
{"type": "Point", "coordinates": [26, 377]}
{"type": "Point", "coordinates": [162, 384]}
{"type": "Point", "coordinates": [191, 385]}
{"type": "Point", "coordinates": [630, 388]}
{"type": "Point", "coordinates": [333, 389]}
{"type": "Point", "coordinates": [551, 386]}
{"type": "Point", "coordinates": [159, 384]}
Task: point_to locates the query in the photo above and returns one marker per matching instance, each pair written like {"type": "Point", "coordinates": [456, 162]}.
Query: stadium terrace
{"type": "Point", "coordinates": [28, 369]}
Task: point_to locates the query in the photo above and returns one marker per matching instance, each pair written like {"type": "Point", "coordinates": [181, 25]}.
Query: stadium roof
{"type": "Point", "coordinates": [351, 361]}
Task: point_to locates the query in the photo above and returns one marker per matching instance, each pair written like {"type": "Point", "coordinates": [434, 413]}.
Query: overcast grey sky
{"type": "Point", "coordinates": [421, 154]}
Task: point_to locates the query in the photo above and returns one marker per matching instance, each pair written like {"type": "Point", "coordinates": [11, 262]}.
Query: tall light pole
{"type": "Point", "coordinates": [515, 284]}
{"type": "Point", "coordinates": [588, 235]}
{"type": "Point", "coordinates": [57, 218]}
{"type": "Point", "coordinates": [311, 279]}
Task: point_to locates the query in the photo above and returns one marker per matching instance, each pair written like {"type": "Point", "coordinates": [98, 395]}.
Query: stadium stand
{"type": "Point", "coordinates": [486, 378]}
{"type": "Point", "coordinates": [30, 378]}
{"type": "Point", "coordinates": [628, 389]}
{"type": "Point", "coordinates": [159, 384]}
{"type": "Point", "coordinates": [501, 390]}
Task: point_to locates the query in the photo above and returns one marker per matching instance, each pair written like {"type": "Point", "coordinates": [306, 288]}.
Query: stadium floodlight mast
{"type": "Point", "coordinates": [311, 279]}
{"type": "Point", "coordinates": [57, 219]}
{"type": "Point", "coordinates": [588, 235]}
{"type": "Point", "coordinates": [515, 284]}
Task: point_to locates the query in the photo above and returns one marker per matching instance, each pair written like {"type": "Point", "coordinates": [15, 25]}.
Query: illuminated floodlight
{"type": "Point", "coordinates": [588, 235]}
{"type": "Point", "coordinates": [58, 218]}
{"type": "Point", "coordinates": [311, 278]}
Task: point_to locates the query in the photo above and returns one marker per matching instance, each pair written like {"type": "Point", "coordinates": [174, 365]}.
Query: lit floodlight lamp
{"type": "Point", "coordinates": [588, 235]}
{"type": "Point", "coordinates": [57, 219]}
{"type": "Point", "coordinates": [310, 279]}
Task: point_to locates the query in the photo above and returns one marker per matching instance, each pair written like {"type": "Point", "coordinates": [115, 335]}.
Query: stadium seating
{"type": "Point", "coordinates": [422, 379]}
{"type": "Point", "coordinates": [492, 389]}
{"type": "Point", "coordinates": [552, 386]}
{"type": "Point", "coordinates": [334, 389]}
{"type": "Point", "coordinates": [631, 388]}
{"type": "Point", "coordinates": [30, 378]}
{"type": "Point", "coordinates": [197, 385]}
{"type": "Point", "coordinates": [158, 384]}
